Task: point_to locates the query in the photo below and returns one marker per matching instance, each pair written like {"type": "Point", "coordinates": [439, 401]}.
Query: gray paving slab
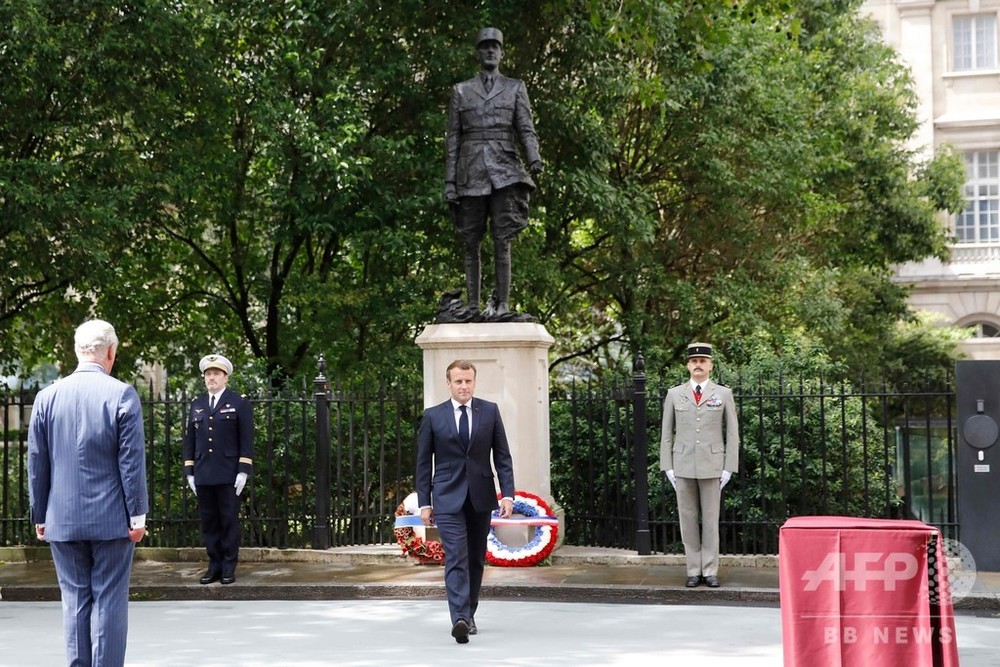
{"type": "Point", "coordinates": [374, 572]}
{"type": "Point", "coordinates": [371, 606]}
{"type": "Point", "coordinates": [369, 633]}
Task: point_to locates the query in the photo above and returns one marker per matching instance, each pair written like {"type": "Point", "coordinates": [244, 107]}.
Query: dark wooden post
{"type": "Point", "coordinates": [643, 543]}
{"type": "Point", "coordinates": [321, 392]}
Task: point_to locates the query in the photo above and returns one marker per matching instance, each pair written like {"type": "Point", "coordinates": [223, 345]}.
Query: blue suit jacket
{"type": "Point", "coordinates": [87, 457]}
{"type": "Point", "coordinates": [447, 473]}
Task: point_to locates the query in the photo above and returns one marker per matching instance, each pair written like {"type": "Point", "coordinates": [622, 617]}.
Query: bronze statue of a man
{"type": "Point", "coordinates": [484, 175]}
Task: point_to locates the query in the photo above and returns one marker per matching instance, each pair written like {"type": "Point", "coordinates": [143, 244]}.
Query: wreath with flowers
{"type": "Point", "coordinates": [536, 514]}
{"type": "Point", "coordinates": [427, 552]}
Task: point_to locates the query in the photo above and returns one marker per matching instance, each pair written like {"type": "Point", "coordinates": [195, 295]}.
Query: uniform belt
{"type": "Point", "coordinates": [487, 135]}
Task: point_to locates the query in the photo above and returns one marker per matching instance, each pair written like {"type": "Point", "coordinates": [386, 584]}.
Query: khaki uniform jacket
{"type": "Point", "coordinates": [483, 132]}
{"type": "Point", "coordinates": [700, 440]}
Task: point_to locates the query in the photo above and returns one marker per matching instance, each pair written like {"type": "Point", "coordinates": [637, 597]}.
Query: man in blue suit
{"type": "Point", "coordinates": [218, 458]}
{"type": "Point", "coordinates": [87, 484]}
{"type": "Point", "coordinates": [455, 487]}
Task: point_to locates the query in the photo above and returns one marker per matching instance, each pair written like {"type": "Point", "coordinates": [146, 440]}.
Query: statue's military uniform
{"type": "Point", "coordinates": [488, 117]}
{"type": "Point", "coordinates": [484, 129]}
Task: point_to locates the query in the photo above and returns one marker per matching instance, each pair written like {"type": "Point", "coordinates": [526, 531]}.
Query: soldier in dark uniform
{"type": "Point", "coordinates": [218, 458]}
{"type": "Point", "coordinates": [484, 176]}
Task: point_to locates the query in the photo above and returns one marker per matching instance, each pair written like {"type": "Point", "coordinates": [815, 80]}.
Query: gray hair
{"type": "Point", "coordinates": [93, 337]}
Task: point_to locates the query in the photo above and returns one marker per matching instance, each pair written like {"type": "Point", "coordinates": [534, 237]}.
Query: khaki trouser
{"type": "Point", "coordinates": [701, 546]}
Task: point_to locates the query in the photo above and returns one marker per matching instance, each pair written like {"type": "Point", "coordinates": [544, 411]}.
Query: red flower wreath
{"type": "Point", "coordinates": [425, 551]}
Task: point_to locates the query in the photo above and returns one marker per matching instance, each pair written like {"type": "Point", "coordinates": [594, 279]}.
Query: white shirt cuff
{"type": "Point", "coordinates": [138, 521]}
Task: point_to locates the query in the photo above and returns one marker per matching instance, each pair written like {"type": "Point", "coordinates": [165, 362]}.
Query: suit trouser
{"type": "Point", "coordinates": [93, 579]}
{"type": "Point", "coordinates": [219, 508]}
{"type": "Point", "coordinates": [463, 537]}
{"type": "Point", "coordinates": [701, 546]}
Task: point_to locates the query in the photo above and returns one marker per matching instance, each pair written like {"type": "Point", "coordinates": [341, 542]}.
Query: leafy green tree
{"type": "Point", "coordinates": [74, 77]}
{"type": "Point", "coordinates": [265, 178]}
{"type": "Point", "coordinates": [754, 178]}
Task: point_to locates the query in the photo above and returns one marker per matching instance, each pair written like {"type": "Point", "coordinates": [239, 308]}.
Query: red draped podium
{"type": "Point", "coordinates": [864, 593]}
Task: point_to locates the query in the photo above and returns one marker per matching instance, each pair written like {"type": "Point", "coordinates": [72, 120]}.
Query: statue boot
{"type": "Point", "coordinates": [473, 279]}
{"type": "Point", "coordinates": [502, 267]}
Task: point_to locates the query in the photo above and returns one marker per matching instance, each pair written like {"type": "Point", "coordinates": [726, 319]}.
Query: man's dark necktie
{"type": "Point", "coordinates": [463, 427]}
{"type": "Point", "coordinates": [488, 83]}
{"type": "Point", "coordinates": [211, 404]}
{"type": "Point", "coordinates": [697, 393]}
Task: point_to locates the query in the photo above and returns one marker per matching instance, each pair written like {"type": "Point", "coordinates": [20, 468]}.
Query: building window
{"type": "Point", "coordinates": [980, 221]}
{"type": "Point", "coordinates": [986, 330]}
{"type": "Point", "coordinates": [974, 40]}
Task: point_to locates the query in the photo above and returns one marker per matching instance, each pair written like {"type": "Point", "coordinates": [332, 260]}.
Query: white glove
{"type": "Point", "coordinates": [672, 479]}
{"type": "Point", "coordinates": [194, 489]}
{"type": "Point", "coordinates": [724, 479]}
{"type": "Point", "coordinates": [241, 481]}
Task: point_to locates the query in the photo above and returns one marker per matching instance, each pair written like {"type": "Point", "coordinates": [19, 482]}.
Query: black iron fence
{"type": "Point", "coordinates": [361, 454]}
{"type": "Point", "coordinates": [332, 465]}
{"type": "Point", "coordinates": [808, 446]}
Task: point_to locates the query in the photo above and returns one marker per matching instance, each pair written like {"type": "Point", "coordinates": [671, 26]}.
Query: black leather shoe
{"type": "Point", "coordinates": [229, 578]}
{"type": "Point", "coordinates": [472, 627]}
{"type": "Point", "coordinates": [210, 576]}
{"type": "Point", "coordinates": [692, 581]}
{"type": "Point", "coordinates": [460, 631]}
{"type": "Point", "coordinates": [712, 581]}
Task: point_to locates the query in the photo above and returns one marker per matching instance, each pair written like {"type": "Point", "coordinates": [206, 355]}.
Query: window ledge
{"type": "Point", "coordinates": [967, 73]}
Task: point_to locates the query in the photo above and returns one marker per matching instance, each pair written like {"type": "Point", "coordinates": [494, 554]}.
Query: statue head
{"type": "Point", "coordinates": [488, 34]}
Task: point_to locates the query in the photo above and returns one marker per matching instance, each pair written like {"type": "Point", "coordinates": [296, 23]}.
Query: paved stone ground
{"type": "Point", "coordinates": [370, 633]}
{"type": "Point", "coordinates": [577, 574]}
{"type": "Point", "coordinates": [371, 607]}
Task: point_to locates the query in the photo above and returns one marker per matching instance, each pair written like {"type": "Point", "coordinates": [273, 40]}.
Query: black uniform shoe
{"type": "Point", "coordinates": [472, 627]}
{"type": "Point", "coordinates": [712, 581]}
{"type": "Point", "coordinates": [210, 576]}
{"type": "Point", "coordinates": [692, 581]}
{"type": "Point", "coordinates": [460, 631]}
{"type": "Point", "coordinates": [229, 578]}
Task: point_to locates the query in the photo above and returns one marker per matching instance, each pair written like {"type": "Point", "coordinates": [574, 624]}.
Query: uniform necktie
{"type": "Point", "coordinates": [463, 427]}
{"type": "Point", "coordinates": [211, 404]}
{"type": "Point", "coordinates": [488, 84]}
{"type": "Point", "coordinates": [697, 393]}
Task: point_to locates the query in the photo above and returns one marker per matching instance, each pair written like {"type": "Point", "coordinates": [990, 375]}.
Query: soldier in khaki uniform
{"type": "Point", "coordinates": [488, 117]}
{"type": "Point", "coordinates": [699, 452]}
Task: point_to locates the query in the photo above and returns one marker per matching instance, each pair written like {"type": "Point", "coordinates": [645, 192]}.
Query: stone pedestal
{"type": "Point", "coordinates": [512, 370]}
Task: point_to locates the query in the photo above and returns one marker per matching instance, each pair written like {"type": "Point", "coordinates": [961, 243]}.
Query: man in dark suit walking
{"type": "Point", "coordinates": [455, 487]}
{"type": "Point", "coordinates": [218, 458]}
{"type": "Point", "coordinates": [484, 177]}
{"type": "Point", "coordinates": [87, 485]}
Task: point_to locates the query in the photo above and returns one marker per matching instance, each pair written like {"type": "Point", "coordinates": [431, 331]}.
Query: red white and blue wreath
{"type": "Point", "coordinates": [536, 514]}
{"type": "Point", "coordinates": [427, 552]}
